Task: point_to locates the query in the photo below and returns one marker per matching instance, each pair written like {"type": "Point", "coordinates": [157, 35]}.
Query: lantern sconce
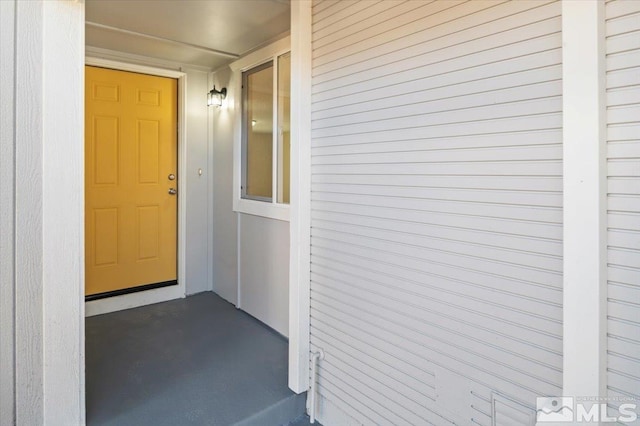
{"type": "Point", "coordinates": [215, 97]}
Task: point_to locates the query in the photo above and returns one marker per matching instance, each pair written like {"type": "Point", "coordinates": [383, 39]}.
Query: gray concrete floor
{"type": "Point", "coordinates": [304, 421]}
{"type": "Point", "coordinates": [193, 361]}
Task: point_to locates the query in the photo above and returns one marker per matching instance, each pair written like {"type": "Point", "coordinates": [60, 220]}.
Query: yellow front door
{"type": "Point", "coordinates": [130, 168]}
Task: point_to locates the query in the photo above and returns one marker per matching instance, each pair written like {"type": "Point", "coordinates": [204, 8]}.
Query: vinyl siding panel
{"type": "Point", "coordinates": [436, 258]}
{"type": "Point", "coordinates": [623, 200]}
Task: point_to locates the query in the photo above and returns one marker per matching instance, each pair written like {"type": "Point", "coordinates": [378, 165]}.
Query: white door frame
{"type": "Point", "coordinates": [132, 300]}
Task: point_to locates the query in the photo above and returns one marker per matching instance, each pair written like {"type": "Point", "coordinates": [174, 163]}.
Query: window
{"type": "Point", "coordinates": [260, 111]}
{"type": "Point", "coordinates": [266, 131]}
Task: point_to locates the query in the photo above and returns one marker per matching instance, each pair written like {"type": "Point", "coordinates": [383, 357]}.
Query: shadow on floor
{"type": "Point", "coordinates": [193, 361]}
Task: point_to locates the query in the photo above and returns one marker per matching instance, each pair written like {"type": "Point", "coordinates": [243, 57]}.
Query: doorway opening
{"type": "Point", "coordinates": [156, 226]}
{"type": "Point", "coordinates": [131, 165]}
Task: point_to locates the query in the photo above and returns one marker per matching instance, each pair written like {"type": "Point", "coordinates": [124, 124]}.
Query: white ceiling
{"type": "Point", "coordinates": [201, 27]}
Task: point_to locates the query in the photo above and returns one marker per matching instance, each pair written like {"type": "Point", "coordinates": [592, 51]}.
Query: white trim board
{"type": "Point", "coordinates": [63, 213]}
{"type": "Point", "coordinates": [300, 203]}
{"type": "Point", "coordinates": [584, 199]}
{"type": "Point", "coordinates": [147, 297]}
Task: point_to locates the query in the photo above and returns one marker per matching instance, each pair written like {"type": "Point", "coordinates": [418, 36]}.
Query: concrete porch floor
{"type": "Point", "coordinates": [193, 361]}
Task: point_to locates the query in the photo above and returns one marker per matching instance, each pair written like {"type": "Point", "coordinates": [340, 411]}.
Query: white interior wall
{"type": "Point", "coordinates": [256, 246]}
{"type": "Point", "coordinates": [224, 258]}
{"type": "Point", "coordinates": [198, 250]}
{"type": "Point", "coordinates": [264, 270]}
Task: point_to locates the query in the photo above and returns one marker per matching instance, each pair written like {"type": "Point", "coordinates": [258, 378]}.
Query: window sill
{"type": "Point", "coordinates": [262, 208]}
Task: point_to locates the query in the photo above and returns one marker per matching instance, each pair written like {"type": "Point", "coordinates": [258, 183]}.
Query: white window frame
{"type": "Point", "coordinates": [273, 209]}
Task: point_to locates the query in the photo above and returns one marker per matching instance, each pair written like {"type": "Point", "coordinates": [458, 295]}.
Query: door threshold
{"type": "Point", "coordinates": [134, 300]}
{"type": "Point", "coordinates": [130, 290]}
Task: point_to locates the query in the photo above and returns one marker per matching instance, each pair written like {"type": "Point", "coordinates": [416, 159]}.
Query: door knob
{"type": "Point", "coordinates": [172, 191]}
{"type": "Point", "coordinates": [171, 177]}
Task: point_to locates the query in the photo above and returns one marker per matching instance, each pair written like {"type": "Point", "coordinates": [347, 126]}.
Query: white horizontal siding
{"type": "Point", "coordinates": [436, 258]}
{"type": "Point", "coordinates": [623, 201]}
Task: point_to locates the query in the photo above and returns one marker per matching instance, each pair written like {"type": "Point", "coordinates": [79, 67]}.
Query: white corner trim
{"type": "Point", "coordinates": [147, 297]}
{"type": "Point", "coordinates": [584, 199]}
{"type": "Point", "coordinates": [46, 127]}
{"type": "Point", "coordinates": [300, 207]}
{"type": "Point", "coordinates": [63, 213]}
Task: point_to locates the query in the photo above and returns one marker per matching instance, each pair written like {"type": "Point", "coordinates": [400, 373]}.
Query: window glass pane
{"type": "Point", "coordinates": [258, 127]}
{"type": "Point", "coordinates": [284, 126]}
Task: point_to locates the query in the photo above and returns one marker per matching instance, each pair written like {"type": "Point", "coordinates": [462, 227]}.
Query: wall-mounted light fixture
{"type": "Point", "coordinates": [215, 97]}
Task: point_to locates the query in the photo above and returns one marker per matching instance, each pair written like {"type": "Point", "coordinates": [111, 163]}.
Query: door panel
{"type": "Point", "coordinates": [130, 150]}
